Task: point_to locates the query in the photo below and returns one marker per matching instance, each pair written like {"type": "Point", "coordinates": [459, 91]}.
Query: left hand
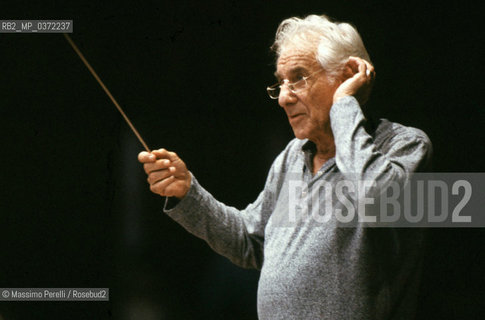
{"type": "Point", "coordinates": [360, 76]}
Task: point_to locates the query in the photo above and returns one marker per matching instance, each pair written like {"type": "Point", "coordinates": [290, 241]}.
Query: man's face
{"type": "Point", "coordinates": [307, 110]}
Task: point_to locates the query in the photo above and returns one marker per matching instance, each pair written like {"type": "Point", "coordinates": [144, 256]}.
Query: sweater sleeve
{"type": "Point", "coordinates": [407, 150]}
{"type": "Point", "coordinates": [235, 234]}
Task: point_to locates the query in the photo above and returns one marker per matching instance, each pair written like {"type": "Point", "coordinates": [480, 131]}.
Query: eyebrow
{"type": "Point", "coordinates": [293, 71]}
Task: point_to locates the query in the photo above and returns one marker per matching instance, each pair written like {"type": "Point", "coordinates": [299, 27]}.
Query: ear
{"type": "Point", "coordinates": [350, 69]}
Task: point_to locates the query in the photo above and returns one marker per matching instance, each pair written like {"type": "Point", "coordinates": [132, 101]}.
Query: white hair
{"type": "Point", "coordinates": [331, 42]}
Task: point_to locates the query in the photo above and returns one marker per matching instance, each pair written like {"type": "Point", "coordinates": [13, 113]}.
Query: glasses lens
{"type": "Point", "coordinates": [274, 91]}
{"type": "Point", "coordinates": [298, 86]}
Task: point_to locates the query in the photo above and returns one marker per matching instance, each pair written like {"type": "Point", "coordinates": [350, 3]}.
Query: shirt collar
{"type": "Point", "coordinates": [309, 149]}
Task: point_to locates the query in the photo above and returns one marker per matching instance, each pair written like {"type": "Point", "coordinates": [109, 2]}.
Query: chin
{"type": "Point", "coordinates": [300, 134]}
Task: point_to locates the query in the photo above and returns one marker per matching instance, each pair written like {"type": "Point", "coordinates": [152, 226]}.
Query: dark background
{"type": "Point", "coordinates": [75, 208]}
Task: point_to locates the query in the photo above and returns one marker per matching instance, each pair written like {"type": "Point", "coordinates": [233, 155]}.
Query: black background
{"type": "Point", "coordinates": [75, 208]}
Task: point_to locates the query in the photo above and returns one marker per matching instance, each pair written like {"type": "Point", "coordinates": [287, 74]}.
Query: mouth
{"type": "Point", "coordinates": [294, 116]}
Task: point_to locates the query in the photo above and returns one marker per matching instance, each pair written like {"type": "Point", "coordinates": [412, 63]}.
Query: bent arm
{"type": "Point", "coordinates": [358, 156]}
{"type": "Point", "coordinates": [235, 234]}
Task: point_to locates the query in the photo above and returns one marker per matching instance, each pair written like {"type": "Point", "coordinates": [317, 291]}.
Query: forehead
{"type": "Point", "coordinates": [292, 61]}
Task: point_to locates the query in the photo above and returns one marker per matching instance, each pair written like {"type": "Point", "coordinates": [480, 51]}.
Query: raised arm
{"type": "Point", "coordinates": [235, 234]}
{"type": "Point", "coordinates": [358, 154]}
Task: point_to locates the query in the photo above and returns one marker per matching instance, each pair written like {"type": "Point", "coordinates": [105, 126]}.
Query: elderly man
{"type": "Point", "coordinates": [313, 268]}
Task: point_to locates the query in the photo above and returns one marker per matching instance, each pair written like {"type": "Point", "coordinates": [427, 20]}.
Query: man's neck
{"type": "Point", "coordinates": [325, 150]}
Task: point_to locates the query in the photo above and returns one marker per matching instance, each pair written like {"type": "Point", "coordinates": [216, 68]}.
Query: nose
{"type": "Point", "coordinates": [286, 97]}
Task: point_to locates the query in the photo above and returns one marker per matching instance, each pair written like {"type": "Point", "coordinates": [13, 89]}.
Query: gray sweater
{"type": "Point", "coordinates": [311, 267]}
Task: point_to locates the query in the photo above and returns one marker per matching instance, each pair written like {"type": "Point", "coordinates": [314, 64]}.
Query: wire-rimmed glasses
{"type": "Point", "coordinates": [295, 87]}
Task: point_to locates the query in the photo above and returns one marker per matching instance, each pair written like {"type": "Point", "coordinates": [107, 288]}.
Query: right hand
{"type": "Point", "coordinates": [167, 174]}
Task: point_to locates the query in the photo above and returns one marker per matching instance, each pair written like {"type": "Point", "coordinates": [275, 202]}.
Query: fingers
{"type": "Point", "coordinates": [365, 69]}
{"type": "Point", "coordinates": [167, 173]}
{"type": "Point", "coordinates": [157, 176]}
{"type": "Point", "coordinates": [157, 160]}
{"type": "Point", "coordinates": [362, 66]}
{"type": "Point", "coordinates": [145, 157]}
{"type": "Point", "coordinates": [167, 184]}
{"type": "Point", "coordinates": [157, 165]}
{"type": "Point", "coordinates": [161, 186]}
{"type": "Point", "coordinates": [370, 72]}
{"type": "Point", "coordinates": [160, 179]}
{"type": "Point", "coordinates": [358, 77]}
{"type": "Point", "coordinates": [165, 154]}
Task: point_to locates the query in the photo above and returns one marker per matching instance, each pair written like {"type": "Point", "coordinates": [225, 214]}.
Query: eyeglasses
{"type": "Point", "coordinates": [295, 87]}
